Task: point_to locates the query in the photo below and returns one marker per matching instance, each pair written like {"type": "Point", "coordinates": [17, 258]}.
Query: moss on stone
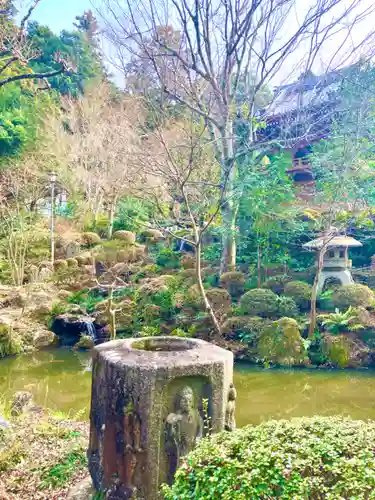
{"type": "Point", "coordinates": [233, 281]}
{"type": "Point", "coordinates": [282, 344]}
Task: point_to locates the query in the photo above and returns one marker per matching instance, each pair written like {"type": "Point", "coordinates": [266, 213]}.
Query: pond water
{"type": "Point", "coordinates": [60, 379]}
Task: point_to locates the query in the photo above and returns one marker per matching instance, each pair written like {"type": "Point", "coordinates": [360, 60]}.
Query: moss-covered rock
{"type": "Point", "coordinates": [90, 239]}
{"type": "Point", "coordinates": [233, 281]}
{"type": "Point", "coordinates": [219, 299]}
{"type": "Point", "coordinates": [353, 295]}
{"type": "Point", "coordinates": [85, 343]}
{"type": "Point", "coordinates": [9, 341]}
{"type": "Point", "coordinates": [282, 344]}
{"type": "Point", "coordinates": [188, 261]}
{"type": "Point", "coordinates": [345, 351]}
{"type": "Point", "coordinates": [126, 236]}
{"type": "Point", "coordinates": [259, 302]}
{"type": "Point", "coordinates": [300, 292]}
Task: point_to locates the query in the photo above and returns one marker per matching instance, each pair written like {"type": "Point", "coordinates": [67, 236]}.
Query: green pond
{"type": "Point", "coordinates": [60, 379]}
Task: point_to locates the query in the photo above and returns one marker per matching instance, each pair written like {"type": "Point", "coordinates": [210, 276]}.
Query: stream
{"type": "Point", "coordinates": [60, 379]}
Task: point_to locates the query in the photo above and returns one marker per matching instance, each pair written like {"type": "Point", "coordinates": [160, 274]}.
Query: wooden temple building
{"type": "Point", "coordinates": [299, 115]}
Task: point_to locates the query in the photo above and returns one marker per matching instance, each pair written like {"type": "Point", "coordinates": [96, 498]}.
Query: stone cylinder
{"type": "Point", "coordinates": [152, 399]}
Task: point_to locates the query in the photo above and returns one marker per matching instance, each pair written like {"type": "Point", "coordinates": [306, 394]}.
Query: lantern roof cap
{"type": "Point", "coordinates": [334, 241]}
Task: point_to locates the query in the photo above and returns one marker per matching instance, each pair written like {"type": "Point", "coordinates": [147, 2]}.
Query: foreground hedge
{"type": "Point", "coordinates": [315, 458]}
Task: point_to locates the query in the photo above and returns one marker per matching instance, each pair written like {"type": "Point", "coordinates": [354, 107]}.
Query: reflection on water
{"type": "Point", "coordinates": [60, 379]}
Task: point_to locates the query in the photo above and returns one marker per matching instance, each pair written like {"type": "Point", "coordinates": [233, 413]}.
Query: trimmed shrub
{"type": "Point", "coordinates": [277, 283]}
{"type": "Point", "coordinates": [151, 235]}
{"type": "Point", "coordinates": [85, 259]}
{"type": "Point", "coordinates": [300, 291]}
{"type": "Point", "coordinates": [287, 307]}
{"type": "Point", "coordinates": [259, 302]}
{"type": "Point", "coordinates": [303, 458]}
{"type": "Point", "coordinates": [90, 239]}
{"type": "Point", "coordinates": [244, 328]}
{"type": "Point", "coordinates": [219, 299]}
{"type": "Point", "coordinates": [126, 236]}
{"type": "Point", "coordinates": [72, 262]}
{"type": "Point", "coordinates": [282, 344]}
{"type": "Point", "coordinates": [168, 258]}
{"type": "Point", "coordinates": [233, 281]}
{"type": "Point", "coordinates": [353, 295]}
{"type": "Point", "coordinates": [60, 265]}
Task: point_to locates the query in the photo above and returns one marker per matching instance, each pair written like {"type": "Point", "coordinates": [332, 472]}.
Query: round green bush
{"type": "Point", "coordinates": [219, 299]}
{"type": "Point", "coordinates": [233, 281]}
{"type": "Point", "coordinates": [300, 291]}
{"type": "Point", "coordinates": [259, 302]}
{"type": "Point", "coordinates": [353, 295]}
{"type": "Point", "coordinates": [90, 239]}
{"type": "Point", "coordinates": [314, 458]}
{"type": "Point", "coordinates": [287, 307]}
{"type": "Point", "coordinates": [126, 236]}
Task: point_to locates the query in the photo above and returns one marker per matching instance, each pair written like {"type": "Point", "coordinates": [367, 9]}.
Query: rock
{"type": "Point", "coordinates": [85, 342]}
{"type": "Point", "coordinates": [69, 328]}
{"type": "Point", "coordinates": [20, 402]}
{"type": "Point", "coordinates": [84, 490]}
{"type": "Point", "coordinates": [64, 294]}
{"type": "Point", "coordinates": [44, 338]}
{"type": "Point", "coordinates": [4, 424]}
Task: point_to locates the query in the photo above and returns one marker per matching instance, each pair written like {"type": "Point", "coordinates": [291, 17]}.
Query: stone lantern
{"type": "Point", "coordinates": [152, 399]}
{"type": "Point", "coordinates": [336, 264]}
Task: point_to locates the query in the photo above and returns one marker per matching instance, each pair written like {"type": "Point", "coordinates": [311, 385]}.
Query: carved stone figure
{"type": "Point", "coordinates": [183, 429]}
{"type": "Point", "coordinates": [230, 420]}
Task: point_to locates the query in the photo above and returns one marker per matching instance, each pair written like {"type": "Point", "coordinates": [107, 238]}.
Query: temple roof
{"type": "Point", "coordinates": [336, 241]}
{"type": "Point", "coordinates": [308, 91]}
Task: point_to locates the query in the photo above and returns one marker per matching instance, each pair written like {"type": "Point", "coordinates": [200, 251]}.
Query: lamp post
{"type": "Point", "coordinates": [52, 179]}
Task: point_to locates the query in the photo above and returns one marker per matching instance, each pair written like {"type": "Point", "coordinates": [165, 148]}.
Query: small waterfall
{"type": "Point", "coordinates": [182, 244]}
{"type": "Point", "coordinates": [91, 330]}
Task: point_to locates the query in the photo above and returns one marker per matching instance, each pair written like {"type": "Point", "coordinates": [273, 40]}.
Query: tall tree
{"type": "Point", "coordinates": [211, 50]}
{"type": "Point", "coordinates": [16, 52]}
{"type": "Point", "coordinates": [344, 165]}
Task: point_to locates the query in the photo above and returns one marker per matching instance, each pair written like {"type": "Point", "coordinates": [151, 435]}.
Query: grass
{"type": "Point", "coordinates": [59, 474]}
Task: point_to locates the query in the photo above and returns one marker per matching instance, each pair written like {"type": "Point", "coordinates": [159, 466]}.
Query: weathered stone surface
{"type": "Point", "coordinates": [150, 400]}
{"type": "Point", "coordinates": [82, 491]}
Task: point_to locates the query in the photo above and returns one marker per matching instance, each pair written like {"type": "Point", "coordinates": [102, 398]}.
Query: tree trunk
{"type": "Point", "coordinates": [198, 272]}
{"type": "Point", "coordinates": [229, 206]}
{"type": "Point", "coordinates": [314, 292]}
{"type": "Point", "coordinates": [259, 265]}
{"type": "Point", "coordinates": [111, 217]}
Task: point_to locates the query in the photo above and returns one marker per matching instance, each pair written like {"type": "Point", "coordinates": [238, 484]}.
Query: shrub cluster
{"type": "Point", "coordinates": [304, 458]}
{"type": "Point", "coordinates": [300, 292]}
{"type": "Point", "coordinates": [353, 295]}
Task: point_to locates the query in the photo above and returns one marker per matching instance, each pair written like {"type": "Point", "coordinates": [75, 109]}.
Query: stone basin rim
{"type": "Point", "coordinates": [189, 351]}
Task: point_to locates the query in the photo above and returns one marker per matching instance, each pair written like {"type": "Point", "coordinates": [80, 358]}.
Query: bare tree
{"type": "Point", "coordinates": [183, 173]}
{"type": "Point", "coordinates": [202, 53]}
{"type": "Point", "coordinates": [16, 51]}
{"type": "Point", "coordinates": [99, 141]}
